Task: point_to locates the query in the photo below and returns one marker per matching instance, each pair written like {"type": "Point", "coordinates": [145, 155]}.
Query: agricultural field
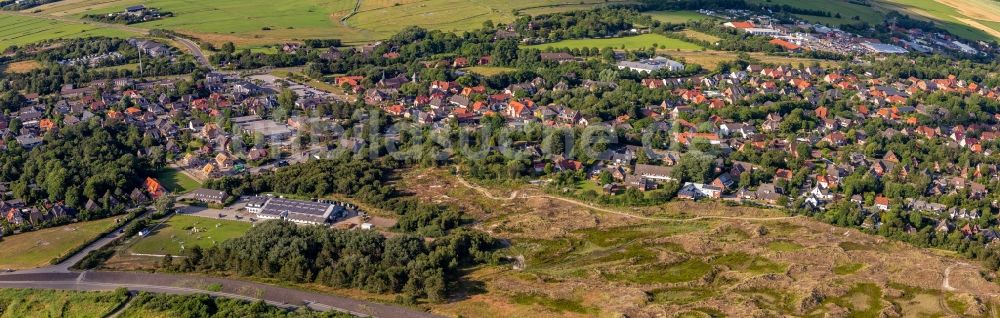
{"type": "Point", "coordinates": [58, 303]}
{"type": "Point", "coordinates": [37, 248]}
{"type": "Point", "coordinates": [696, 259]}
{"type": "Point", "coordinates": [186, 231]}
{"type": "Point", "coordinates": [677, 16]}
{"type": "Point", "coordinates": [244, 23]}
{"type": "Point", "coordinates": [847, 11]}
{"type": "Point", "coordinates": [177, 182]}
{"type": "Point", "coordinates": [644, 41]}
{"type": "Point", "coordinates": [972, 19]}
{"type": "Point", "coordinates": [20, 30]}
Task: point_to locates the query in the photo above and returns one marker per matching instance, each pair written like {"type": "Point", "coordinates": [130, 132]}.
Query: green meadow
{"type": "Point", "coordinates": [20, 30]}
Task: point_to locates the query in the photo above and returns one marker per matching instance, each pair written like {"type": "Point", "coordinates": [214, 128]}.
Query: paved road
{"type": "Point", "coordinates": [59, 276]}
{"type": "Point", "coordinates": [189, 284]}
{"type": "Point", "coordinates": [195, 50]}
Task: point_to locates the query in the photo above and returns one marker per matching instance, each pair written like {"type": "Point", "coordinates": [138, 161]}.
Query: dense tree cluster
{"type": "Point", "coordinates": [246, 59]}
{"type": "Point", "coordinates": [52, 76]}
{"type": "Point", "coordinates": [361, 179]}
{"type": "Point", "coordinates": [85, 161]}
{"type": "Point", "coordinates": [149, 14]}
{"type": "Point", "coordinates": [417, 268]}
{"type": "Point", "coordinates": [595, 23]}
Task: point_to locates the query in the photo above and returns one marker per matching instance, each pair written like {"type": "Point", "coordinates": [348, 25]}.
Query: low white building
{"type": "Point", "coordinates": [652, 65]}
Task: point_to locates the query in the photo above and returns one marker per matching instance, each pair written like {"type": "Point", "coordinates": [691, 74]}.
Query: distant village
{"type": "Point", "coordinates": [250, 98]}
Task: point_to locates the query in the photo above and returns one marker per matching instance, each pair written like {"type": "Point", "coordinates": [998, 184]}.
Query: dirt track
{"type": "Point", "coordinates": [514, 195]}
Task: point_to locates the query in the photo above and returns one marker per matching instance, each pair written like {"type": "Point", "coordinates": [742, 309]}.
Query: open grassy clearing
{"type": "Point", "coordinates": [175, 181]}
{"type": "Point", "coordinates": [488, 70]}
{"type": "Point", "coordinates": [37, 248]}
{"type": "Point", "coordinates": [644, 41]}
{"type": "Point", "coordinates": [20, 66]}
{"type": "Point", "coordinates": [971, 19]}
{"type": "Point", "coordinates": [185, 231]}
{"type": "Point", "coordinates": [23, 303]}
{"type": "Point", "coordinates": [570, 261]}
{"type": "Point", "coordinates": [677, 16]}
{"type": "Point", "coordinates": [700, 36]}
{"type": "Point", "coordinates": [20, 30]}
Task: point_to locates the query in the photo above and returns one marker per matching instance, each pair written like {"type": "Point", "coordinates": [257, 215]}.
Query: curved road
{"type": "Point", "coordinates": [191, 46]}
{"type": "Point", "coordinates": [190, 284]}
{"type": "Point", "coordinates": [60, 276]}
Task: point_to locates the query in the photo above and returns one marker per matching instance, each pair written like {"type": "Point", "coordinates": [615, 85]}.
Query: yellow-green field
{"type": "Point", "coordinates": [629, 42]}
{"type": "Point", "coordinates": [34, 249]}
{"type": "Point", "coordinates": [20, 30]}
{"type": "Point", "coordinates": [257, 22]}
{"type": "Point", "coordinates": [676, 16]}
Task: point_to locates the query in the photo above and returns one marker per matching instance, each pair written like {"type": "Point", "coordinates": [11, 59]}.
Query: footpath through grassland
{"type": "Point", "coordinates": [515, 195]}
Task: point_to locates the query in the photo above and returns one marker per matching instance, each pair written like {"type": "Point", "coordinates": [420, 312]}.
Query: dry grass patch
{"type": "Point", "coordinates": [21, 67]}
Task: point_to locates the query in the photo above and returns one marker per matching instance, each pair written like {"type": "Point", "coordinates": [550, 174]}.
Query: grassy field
{"type": "Point", "coordinates": [699, 35]}
{"type": "Point", "coordinates": [19, 30]}
{"type": "Point", "coordinates": [29, 303]}
{"type": "Point", "coordinates": [630, 42]}
{"type": "Point", "coordinates": [243, 21]}
{"type": "Point", "coordinates": [34, 249]}
{"type": "Point", "coordinates": [176, 182]}
{"type": "Point", "coordinates": [185, 231]}
{"type": "Point", "coordinates": [970, 19]}
{"type": "Point", "coordinates": [488, 70]}
{"type": "Point", "coordinates": [677, 16]}
{"type": "Point", "coordinates": [20, 66]}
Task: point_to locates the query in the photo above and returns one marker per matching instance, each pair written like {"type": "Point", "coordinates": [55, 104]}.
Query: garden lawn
{"type": "Point", "coordinates": [35, 249]}
{"type": "Point", "coordinates": [629, 42]}
{"type": "Point", "coordinates": [176, 182]}
{"type": "Point", "coordinates": [186, 231]}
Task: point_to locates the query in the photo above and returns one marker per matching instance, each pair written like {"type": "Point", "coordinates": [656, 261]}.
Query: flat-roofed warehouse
{"type": "Point", "coordinates": [270, 129]}
{"type": "Point", "coordinates": [298, 211]}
